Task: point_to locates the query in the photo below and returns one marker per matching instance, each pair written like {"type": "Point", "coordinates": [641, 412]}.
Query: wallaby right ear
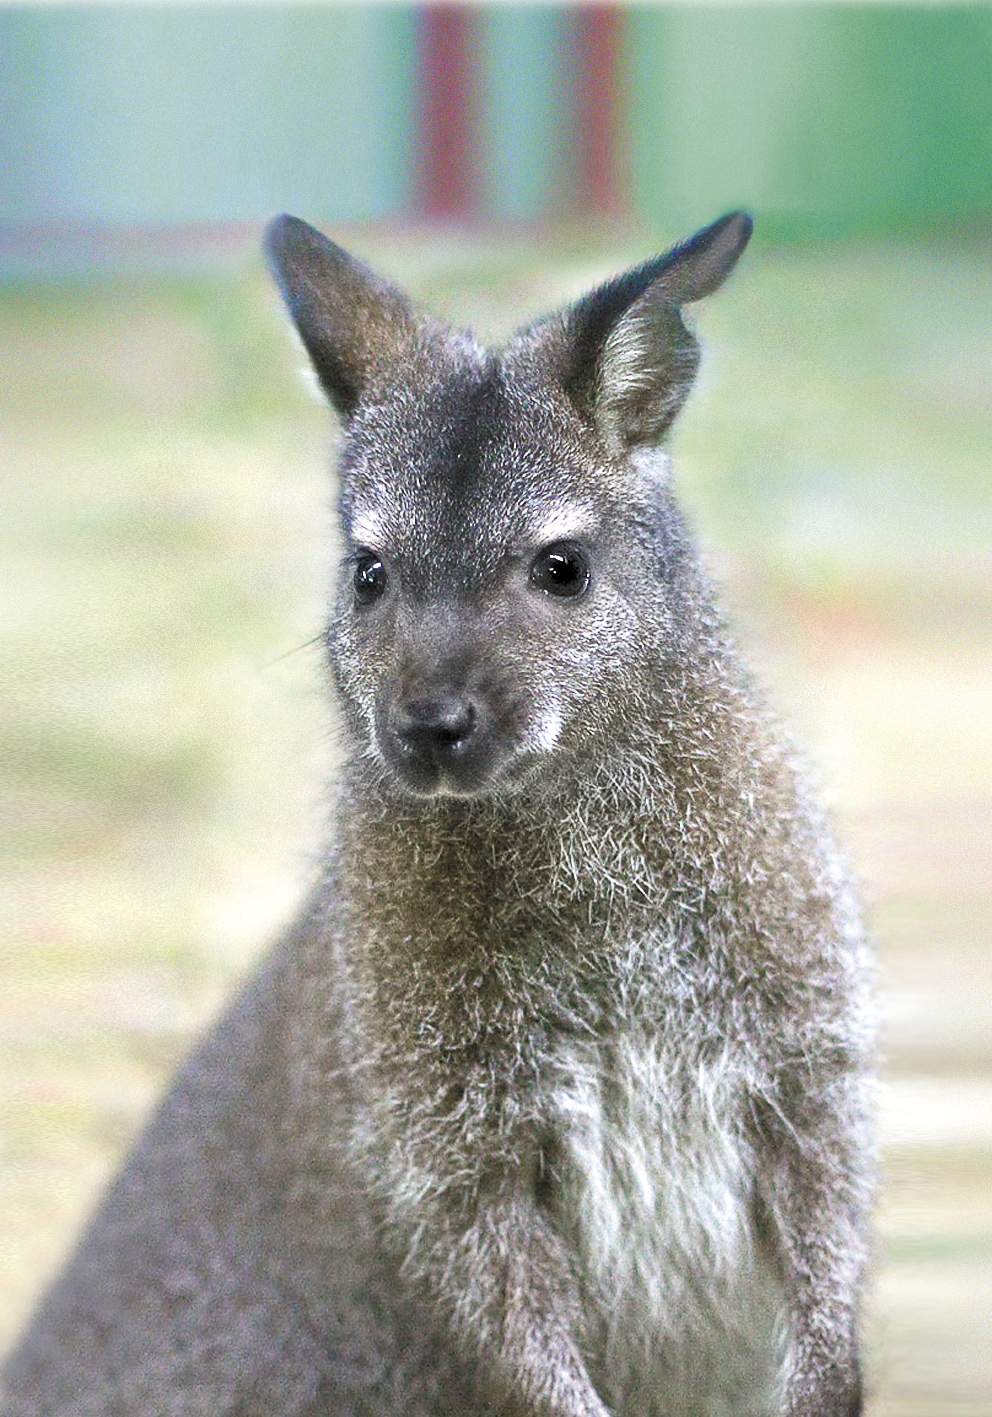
{"type": "Point", "coordinates": [351, 322]}
{"type": "Point", "coordinates": [623, 354]}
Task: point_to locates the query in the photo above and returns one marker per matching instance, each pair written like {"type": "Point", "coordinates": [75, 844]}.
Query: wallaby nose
{"type": "Point", "coordinates": [435, 730]}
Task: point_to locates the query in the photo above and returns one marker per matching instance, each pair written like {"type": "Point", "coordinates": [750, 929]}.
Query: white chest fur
{"type": "Point", "coordinates": [684, 1314]}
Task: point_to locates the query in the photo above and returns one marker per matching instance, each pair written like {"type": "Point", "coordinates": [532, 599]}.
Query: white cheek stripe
{"type": "Point", "coordinates": [367, 530]}
{"type": "Point", "coordinates": [546, 730]}
{"type": "Point", "coordinates": [567, 524]}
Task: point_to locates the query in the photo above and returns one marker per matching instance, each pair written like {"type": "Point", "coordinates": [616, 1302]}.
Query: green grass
{"type": "Point", "coordinates": [163, 744]}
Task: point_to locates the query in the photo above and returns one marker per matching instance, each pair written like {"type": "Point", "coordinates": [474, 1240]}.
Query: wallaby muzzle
{"type": "Point", "coordinates": [453, 727]}
{"type": "Point", "coordinates": [438, 738]}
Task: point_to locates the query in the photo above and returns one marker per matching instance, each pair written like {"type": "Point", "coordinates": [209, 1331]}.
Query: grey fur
{"type": "Point", "coordinates": [555, 1100]}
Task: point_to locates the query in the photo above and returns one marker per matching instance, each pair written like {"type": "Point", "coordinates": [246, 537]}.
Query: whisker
{"type": "Point", "coordinates": [307, 644]}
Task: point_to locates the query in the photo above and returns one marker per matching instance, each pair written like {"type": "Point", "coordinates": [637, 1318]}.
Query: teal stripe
{"type": "Point", "coordinates": [147, 113]}
{"type": "Point", "coordinates": [523, 111]}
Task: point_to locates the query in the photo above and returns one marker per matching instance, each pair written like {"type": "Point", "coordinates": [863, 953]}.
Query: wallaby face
{"type": "Point", "coordinates": [484, 628]}
{"type": "Point", "coordinates": [471, 614]}
{"type": "Point", "coordinates": [508, 582]}
{"type": "Point", "coordinates": [554, 1102]}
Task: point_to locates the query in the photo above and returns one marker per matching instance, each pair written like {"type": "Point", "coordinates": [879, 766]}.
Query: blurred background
{"type": "Point", "coordinates": [166, 538]}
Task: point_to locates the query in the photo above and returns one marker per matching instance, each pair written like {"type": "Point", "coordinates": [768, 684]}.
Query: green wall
{"type": "Point", "coordinates": [820, 117]}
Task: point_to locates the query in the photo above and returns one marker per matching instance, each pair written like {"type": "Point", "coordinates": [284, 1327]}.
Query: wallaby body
{"type": "Point", "coordinates": [554, 1102]}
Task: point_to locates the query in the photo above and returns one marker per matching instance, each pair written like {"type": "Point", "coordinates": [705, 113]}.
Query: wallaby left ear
{"type": "Point", "coordinates": [623, 354]}
{"type": "Point", "coordinates": [352, 323]}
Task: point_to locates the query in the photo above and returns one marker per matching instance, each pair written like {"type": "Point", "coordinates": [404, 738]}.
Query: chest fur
{"type": "Point", "coordinates": [683, 1309]}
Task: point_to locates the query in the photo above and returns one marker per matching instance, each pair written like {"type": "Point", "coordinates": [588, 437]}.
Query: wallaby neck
{"type": "Point", "coordinates": [634, 824]}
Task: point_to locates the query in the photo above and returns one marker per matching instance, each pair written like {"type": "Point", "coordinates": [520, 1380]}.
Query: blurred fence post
{"type": "Point", "coordinates": [446, 185]}
{"type": "Point", "coordinates": [599, 111]}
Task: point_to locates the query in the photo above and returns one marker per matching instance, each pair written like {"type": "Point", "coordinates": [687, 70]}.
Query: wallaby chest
{"type": "Point", "coordinates": [683, 1311]}
{"type": "Point", "coordinates": [633, 1125]}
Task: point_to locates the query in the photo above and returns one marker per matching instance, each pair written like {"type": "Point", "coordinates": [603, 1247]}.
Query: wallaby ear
{"type": "Point", "coordinates": [624, 355]}
{"type": "Point", "coordinates": [351, 322]}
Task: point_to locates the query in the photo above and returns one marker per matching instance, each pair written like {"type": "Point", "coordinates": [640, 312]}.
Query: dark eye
{"type": "Point", "coordinates": [370, 579]}
{"type": "Point", "coordinates": [561, 570]}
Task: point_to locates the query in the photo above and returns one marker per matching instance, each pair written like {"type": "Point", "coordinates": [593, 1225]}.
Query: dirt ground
{"type": "Point", "coordinates": [164, 733]}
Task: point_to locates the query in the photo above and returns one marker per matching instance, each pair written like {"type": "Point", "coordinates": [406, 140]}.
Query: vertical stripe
{"type": "Point", "coordinates": [448, 63]}
{"type": "Point", "coordinates": [600, 181]}
{"type": "Point", "coordinates": [524, 112]}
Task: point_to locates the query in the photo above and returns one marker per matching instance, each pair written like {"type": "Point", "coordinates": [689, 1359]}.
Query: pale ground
{"type": "Point", "coordinates": [166, 541]}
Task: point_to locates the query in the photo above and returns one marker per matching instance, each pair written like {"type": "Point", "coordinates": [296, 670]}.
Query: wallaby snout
{"type": "Point", "coordinates": [457, 723]}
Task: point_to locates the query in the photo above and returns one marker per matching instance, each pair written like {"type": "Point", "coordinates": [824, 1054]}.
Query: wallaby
{"type": "Point", "coordinates": [555, 1102]}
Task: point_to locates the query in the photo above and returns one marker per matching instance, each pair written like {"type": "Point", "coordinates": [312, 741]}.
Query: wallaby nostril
{"type": "Point", "coordinates": [433, 729]}
{"type": "Point", "coordinates": [457, 728]}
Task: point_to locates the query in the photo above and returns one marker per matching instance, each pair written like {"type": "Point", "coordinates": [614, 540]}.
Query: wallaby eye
{"type": "Point", "coordinates": [560, 570]}
{"type": "Point", "coordinates": [370, 579]}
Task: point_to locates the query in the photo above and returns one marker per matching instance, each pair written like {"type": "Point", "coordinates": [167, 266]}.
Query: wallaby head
{"type": "Point", "coordinates": [513, 557]}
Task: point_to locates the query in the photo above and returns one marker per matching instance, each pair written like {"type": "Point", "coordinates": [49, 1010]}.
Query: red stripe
{"type": "Point", "coordinates": [599, 177]}
{"type": "Point", "coordinates": [448, 64]}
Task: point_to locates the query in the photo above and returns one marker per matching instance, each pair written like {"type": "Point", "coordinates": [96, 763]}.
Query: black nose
{"type": "Point", "coordinates": [435, 730]}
